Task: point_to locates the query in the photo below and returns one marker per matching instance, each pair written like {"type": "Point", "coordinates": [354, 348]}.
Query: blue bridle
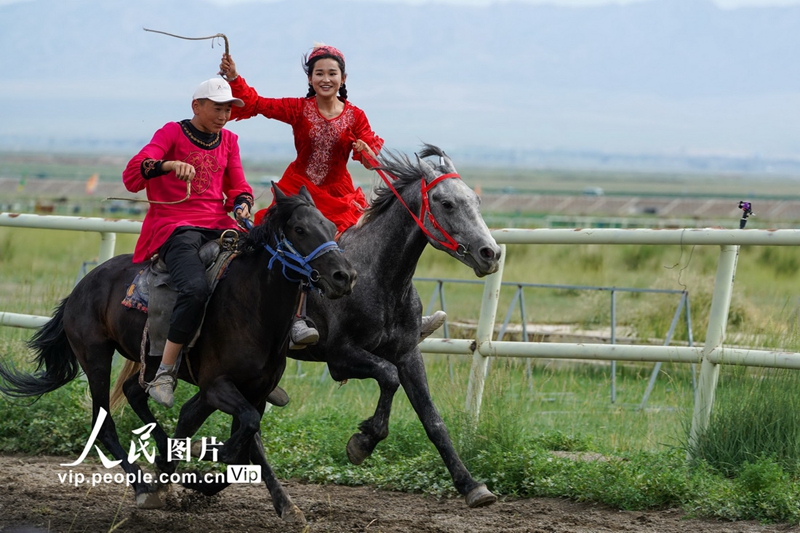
{"type": "Point", "coordinates": [290, 258]}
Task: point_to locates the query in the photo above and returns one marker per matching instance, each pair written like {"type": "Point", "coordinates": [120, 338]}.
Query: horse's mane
{"type": "Point", "coordinates": [273, 221]}
{"type": "Point", "coordinates": [399, 166]}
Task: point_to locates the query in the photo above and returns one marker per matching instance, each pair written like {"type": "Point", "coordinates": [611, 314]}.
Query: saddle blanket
{"type": "Point", "coordinates": [155, 275]}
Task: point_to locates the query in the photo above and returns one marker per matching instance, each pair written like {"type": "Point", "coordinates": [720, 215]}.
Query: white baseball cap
{"type": "Point", "coordinates": [216, 90]}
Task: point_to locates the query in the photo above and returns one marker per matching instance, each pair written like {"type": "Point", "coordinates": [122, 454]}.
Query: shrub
{"type": "Point", "coordinates": [756, 414]}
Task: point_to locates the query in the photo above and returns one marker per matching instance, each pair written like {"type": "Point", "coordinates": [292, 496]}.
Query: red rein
{"type": "Point", "coordinates": [424, 211]}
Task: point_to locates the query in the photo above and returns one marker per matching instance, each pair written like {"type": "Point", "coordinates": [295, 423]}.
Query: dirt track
{"type": "Point", "coordinates": [33, 499]}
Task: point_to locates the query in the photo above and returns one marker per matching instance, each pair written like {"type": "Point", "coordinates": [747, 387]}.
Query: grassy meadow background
{"type": "Point", "coordinates": [554, 432]}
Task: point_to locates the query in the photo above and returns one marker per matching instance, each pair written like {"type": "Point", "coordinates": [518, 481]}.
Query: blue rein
{"type": "Point", "coordinates": [290, 258]}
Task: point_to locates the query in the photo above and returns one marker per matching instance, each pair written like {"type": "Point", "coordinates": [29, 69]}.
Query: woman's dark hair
{"type": "Point", "coordinates": [308, 67]}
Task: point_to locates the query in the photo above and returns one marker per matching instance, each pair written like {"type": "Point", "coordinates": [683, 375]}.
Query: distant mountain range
{"type": "Point", "coordinates": [664, 82]}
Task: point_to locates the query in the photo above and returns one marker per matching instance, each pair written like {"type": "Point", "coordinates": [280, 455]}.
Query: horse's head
{"type": "Point", "coordinates": [303, 239]}
{"type": "Point", "coordinates": [448, 209]}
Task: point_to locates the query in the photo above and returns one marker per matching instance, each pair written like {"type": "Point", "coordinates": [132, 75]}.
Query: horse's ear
{"type": "Point", "coordinates": [277, 193]}
{"type": "Point", "coordinates": [307, 195]}
{"type": "Point", "coordinates": [447, 163]}
{"type": "Point", "coordinates": [427, 170]}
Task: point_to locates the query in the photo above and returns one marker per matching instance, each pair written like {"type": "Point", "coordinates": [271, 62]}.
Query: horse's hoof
{"type": "Point", "coordinates": [293, 515]}
{"type": "Point", "coordinates": [356, 451]}
{"type": "Point", "coordinates": [149, 500]}
{"type": "Point", "coordinates": [197, 451]}
{"type": "Point", "coordinates": [480, 496]}
{"type": "Point", "coordinates": [278, 397]}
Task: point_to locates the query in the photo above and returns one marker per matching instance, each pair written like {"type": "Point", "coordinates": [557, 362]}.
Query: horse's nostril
{"type": "Point", "coordinates": [343, 277]}
{"type": "Point", "coordinates": [487, 253]}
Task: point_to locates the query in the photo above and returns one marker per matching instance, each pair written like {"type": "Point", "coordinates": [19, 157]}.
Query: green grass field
{"type": "Point", "coordinates": [528, 412]}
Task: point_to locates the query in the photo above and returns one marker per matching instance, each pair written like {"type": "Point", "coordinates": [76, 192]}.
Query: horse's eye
{"type": "Point", "coordinates": [447, 205]}
{"type": "Point", "coordinates": [299, 230]}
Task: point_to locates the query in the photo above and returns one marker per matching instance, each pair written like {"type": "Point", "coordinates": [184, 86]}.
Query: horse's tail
{"type": "Point", "coordinates": [56, 362]}
{"type": "Point", "coordinates": [117, 397]}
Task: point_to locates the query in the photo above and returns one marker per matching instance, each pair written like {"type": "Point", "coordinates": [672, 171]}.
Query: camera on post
{"type": "Point", "coordinates": [747, 209]}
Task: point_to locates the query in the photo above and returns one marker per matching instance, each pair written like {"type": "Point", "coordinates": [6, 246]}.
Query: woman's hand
{"type": "Point", "coordinates": [183, 171]}
{"type": "Point", "coordinates": [360, 146]}
{"type": "Point", "coordinates": [227, 68]}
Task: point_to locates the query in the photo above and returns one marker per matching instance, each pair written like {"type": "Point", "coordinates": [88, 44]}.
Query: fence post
{"type": "Point", "coordinates": [613, 341]}
{"type": "Point", "coordinates": [477, 375]}
{"type": "Point", "coordinates": [715, 334]}
{"type": "Point", "coordinates": [108, 242]}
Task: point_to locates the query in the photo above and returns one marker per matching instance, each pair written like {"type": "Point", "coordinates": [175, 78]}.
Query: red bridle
{"type": "Point", "coordinates": [425, 211]}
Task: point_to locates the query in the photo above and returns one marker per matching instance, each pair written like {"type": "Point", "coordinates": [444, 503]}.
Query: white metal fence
{"type": "Point", "coordinates": [710, 356]}
{"type": "Point", "coordinates": [107, 228]}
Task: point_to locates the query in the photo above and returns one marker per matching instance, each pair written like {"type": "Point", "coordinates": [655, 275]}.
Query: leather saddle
{"type": "Point", "coordinates": [152, 292]}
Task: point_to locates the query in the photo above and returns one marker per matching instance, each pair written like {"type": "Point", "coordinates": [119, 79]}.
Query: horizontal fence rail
{"type": "Point", "coordinates": [106, 227]}
{"type": "Point", "coordinates": [710, 236]}
{"type": "Point", "coordinates": [483, 346]}
{"type": "Point", "coordinates": [519, 298]}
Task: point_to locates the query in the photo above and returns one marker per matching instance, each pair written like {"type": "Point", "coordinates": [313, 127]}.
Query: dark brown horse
{"type": "Point", "coordinates": [239, 356]}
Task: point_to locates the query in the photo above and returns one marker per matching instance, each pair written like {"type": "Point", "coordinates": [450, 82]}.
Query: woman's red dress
{"type": "Point", "coordinates": [323, 148]}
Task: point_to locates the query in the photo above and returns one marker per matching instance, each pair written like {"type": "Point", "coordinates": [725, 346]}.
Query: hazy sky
{"type": "Point", "coordinates": [707, 82]}
{"type": "Point", "coordinates": [728, 4]}
{"type": "Point", "coordinates": [722, 3]}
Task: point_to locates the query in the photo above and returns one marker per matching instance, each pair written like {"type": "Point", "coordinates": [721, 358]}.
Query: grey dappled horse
{"type": "Point", "coordinates": [374, 332]}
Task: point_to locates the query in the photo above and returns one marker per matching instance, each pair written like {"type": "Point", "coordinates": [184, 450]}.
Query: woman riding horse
{"type": "Point", "coordinates": [327, 127]}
